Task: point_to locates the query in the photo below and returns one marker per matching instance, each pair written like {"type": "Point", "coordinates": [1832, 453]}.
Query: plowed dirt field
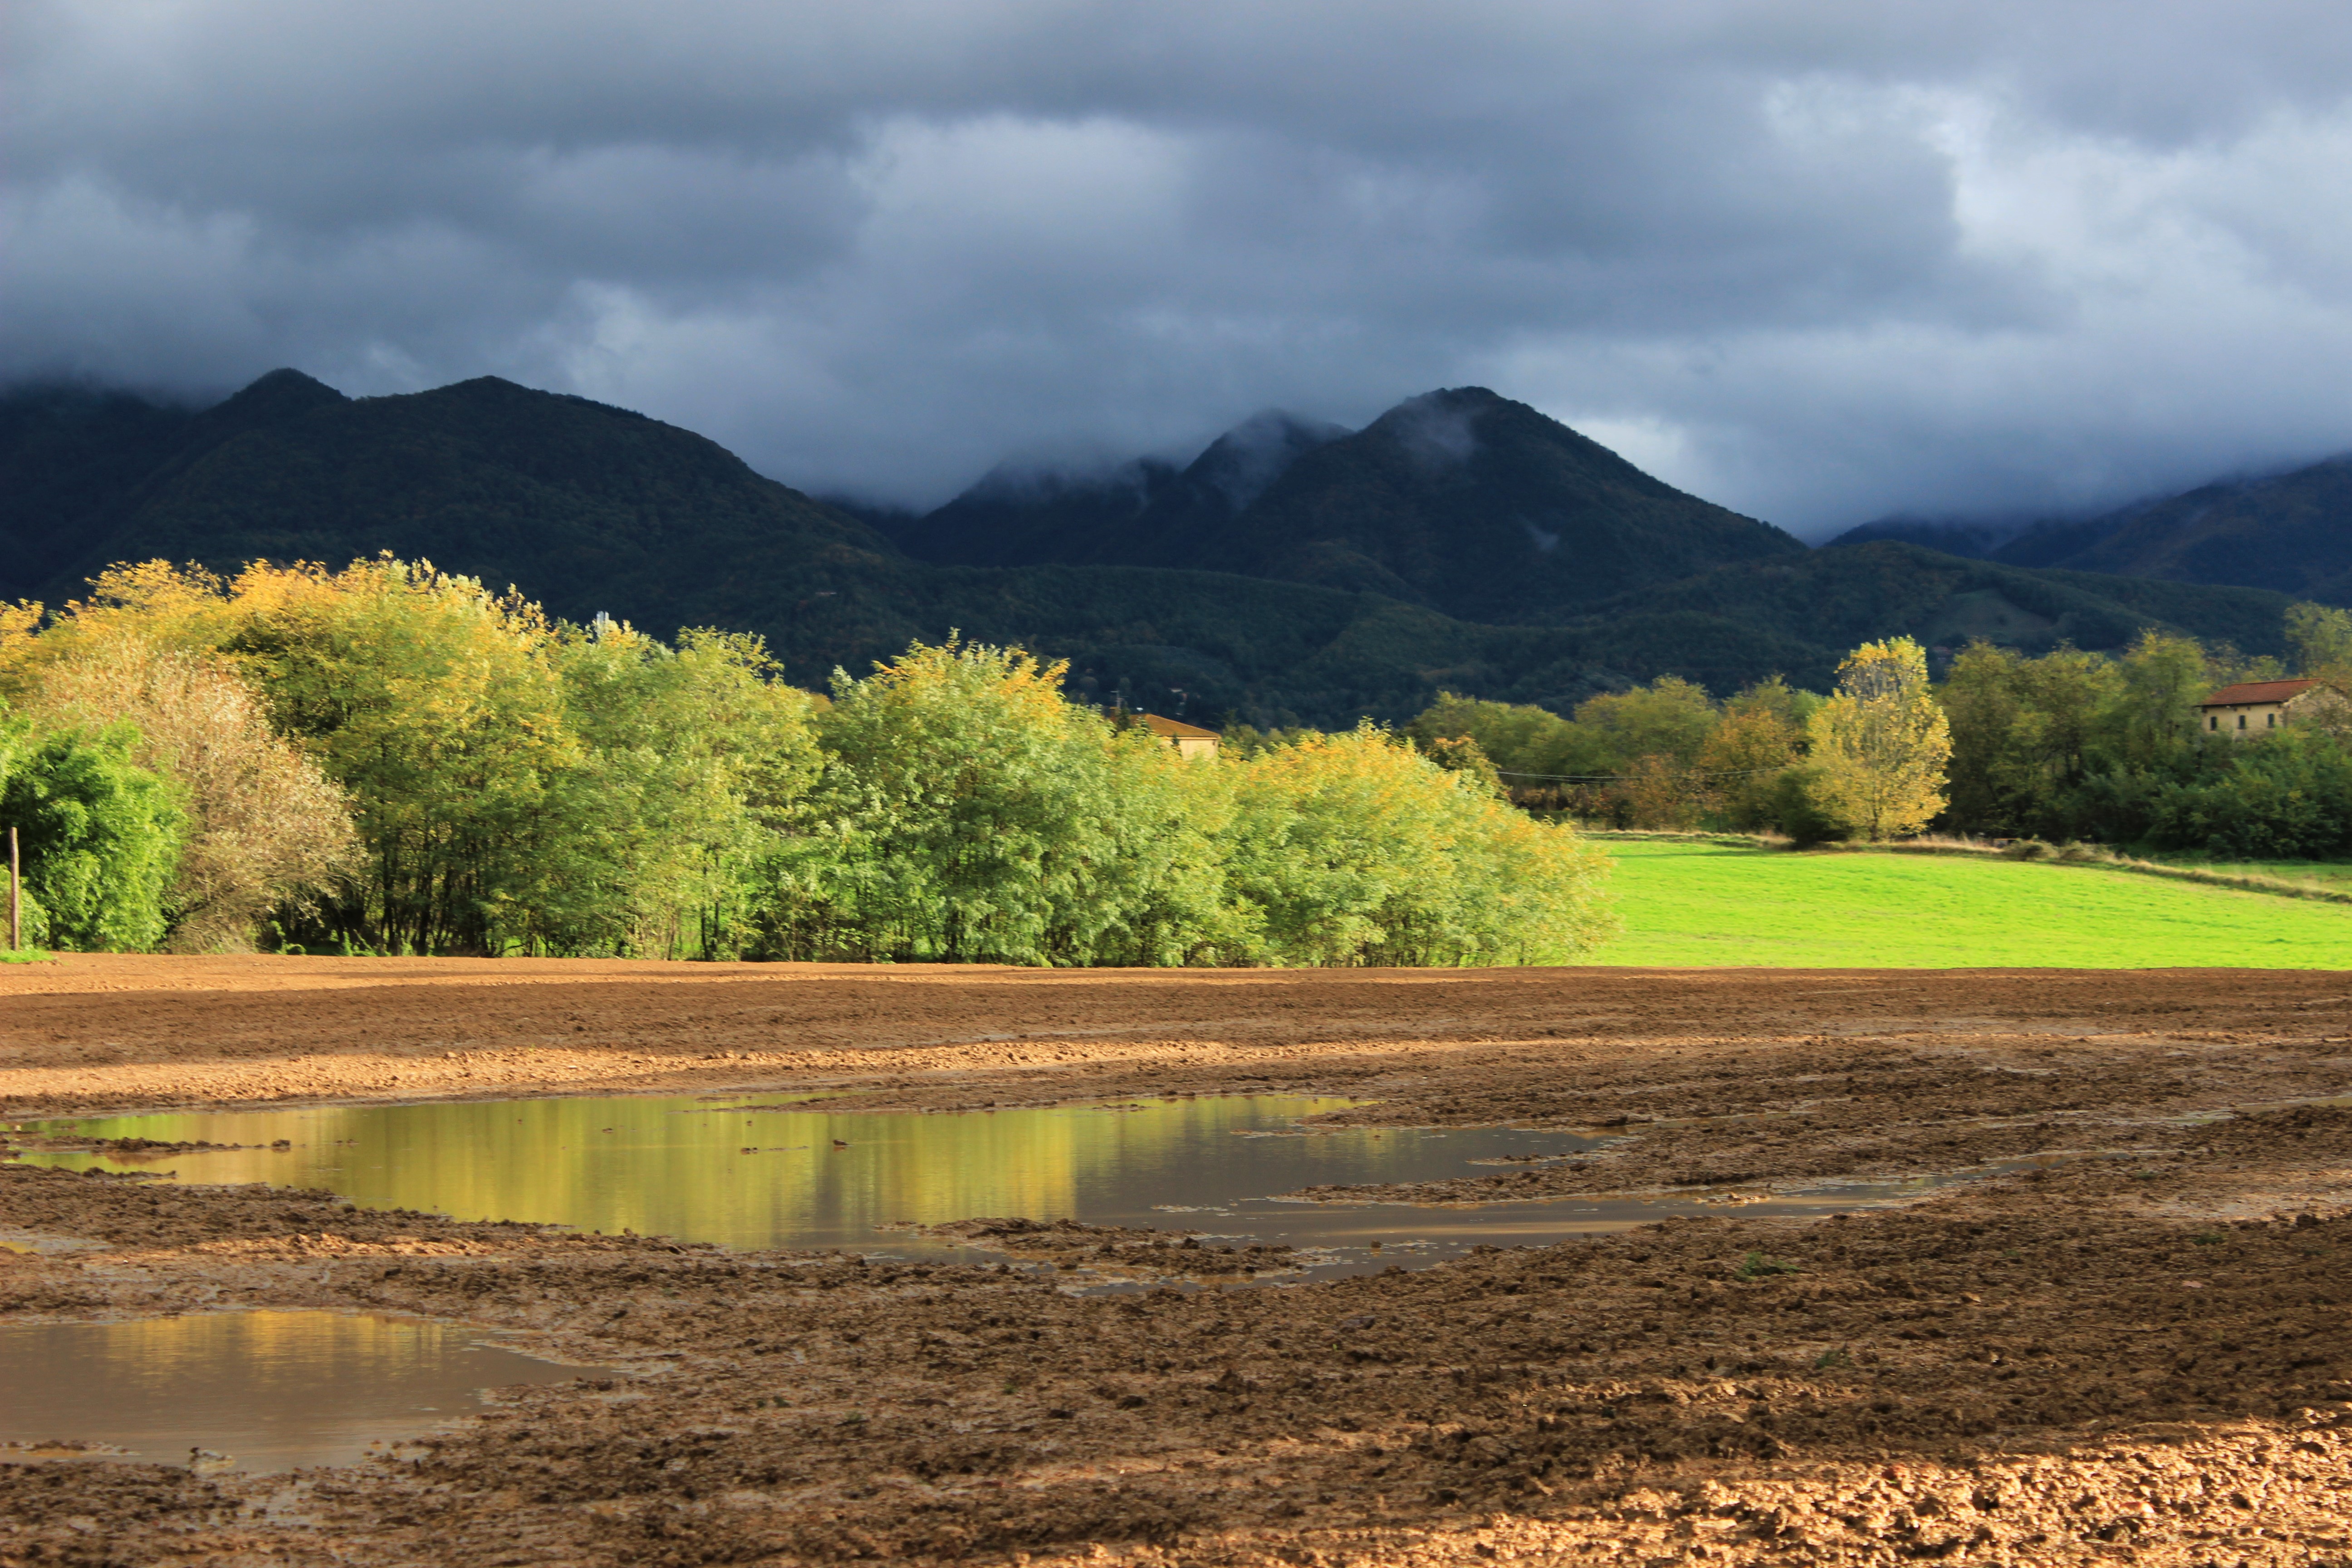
{"type": "Point", "coordinates": [2137, 1355]}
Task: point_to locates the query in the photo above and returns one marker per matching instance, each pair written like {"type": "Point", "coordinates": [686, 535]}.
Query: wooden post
{"type": "Point", "coordinates": [15, 907]}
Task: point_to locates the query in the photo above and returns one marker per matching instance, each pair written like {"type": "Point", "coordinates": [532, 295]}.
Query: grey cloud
{"type": "Point", "coordinates": [1245, 460]}
{"type": "Point", "coordinates": [1434, 436]}
{"type": "Point", "coordinates": [1816, 259]}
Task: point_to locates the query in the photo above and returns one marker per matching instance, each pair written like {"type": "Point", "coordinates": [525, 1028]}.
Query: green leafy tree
{"type": "Point", "coordinates": [516, 786]}
{"type": "Point", "coordinates": [2321, 636]}
{"type": "Point", "coordinates": [967, 812]}
{"type": "Point", "coordinates": [1650, 737]}
{"type": "Point", "coordinates": [1530, 745]}
{"type": "Point", "coordinates": [1355, 849]}
{"type": "Point", "coordinates": [691, 759]}
{"type": "Point", "coordinates": [1742, 762]}
{"type": "Point", "coordinates": [1881, 743]}
{"type": "Point", "coordinates": [2283, 796]}
{"type": "Point", "coordinates": [2150, 722]}
{"type": "Point", "coordinates": [1670, 718]}
{"type": "Point", "coordinates": [2027, 736]}
{"type": "Point", "coordinates": [100, 838]}
{"type": "Point", "coordinates": [1461, 754]}
{"type": "Point", "coordinates": [434, 702]}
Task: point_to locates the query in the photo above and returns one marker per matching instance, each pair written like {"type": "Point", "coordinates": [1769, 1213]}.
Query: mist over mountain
{"type": "Point", "coordinates": [1145, 511]}
{"type": "Point", "coordinates": [1293, 572]}
{"type": "Point", "coordinates": [1459, 501]}
{"type": "Point", "coordinates": [1022, 515]}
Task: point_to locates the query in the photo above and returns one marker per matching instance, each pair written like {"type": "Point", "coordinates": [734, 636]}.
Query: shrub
{"type": "Point", "coordinates": [100, 838]}
{"type": "Point", "coordinates": [1353, 849]}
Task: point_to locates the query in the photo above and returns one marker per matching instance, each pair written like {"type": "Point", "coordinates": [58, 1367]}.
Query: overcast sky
{"type": "Point", "coordinates": [1818, 261]}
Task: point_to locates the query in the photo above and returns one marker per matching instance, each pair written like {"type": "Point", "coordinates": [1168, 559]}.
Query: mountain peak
{"type": "Point", "coordinates": [281, 394]}
{"type": "Point", "coordinates": [1240, 464]}
{"type": "Point", "coordinates": [1458, 499]}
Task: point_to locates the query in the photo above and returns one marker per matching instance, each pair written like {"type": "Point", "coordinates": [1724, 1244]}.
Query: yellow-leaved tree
{"type": "Point", "coordinates": [1880, 744]}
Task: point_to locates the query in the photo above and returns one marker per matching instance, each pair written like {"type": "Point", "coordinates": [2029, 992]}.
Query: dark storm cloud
{"type": "Point", "coordinates": [1815, 260]}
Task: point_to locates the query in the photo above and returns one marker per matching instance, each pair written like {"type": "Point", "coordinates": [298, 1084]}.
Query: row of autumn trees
{"type": "Point", "coordinates": [386, 759]}
{"type": "Point", "coordinates": [2066, 746]}
{"type": "Point", "coordinates": [1867, 761]}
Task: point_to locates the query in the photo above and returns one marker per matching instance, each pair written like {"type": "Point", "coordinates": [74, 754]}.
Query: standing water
{"type": "Point", "coordinates": [249, 1391]}
{"type": "Point", "coordinates": [746, 1172]}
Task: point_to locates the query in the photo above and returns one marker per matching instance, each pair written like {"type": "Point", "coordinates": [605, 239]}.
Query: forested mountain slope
{"type": "Point", "coordinates": [1460, 500]}
{"type": "Point", "coordinates": [1147, 511]}
{"type": "Point", "coordinates": [572, 499]}
{"type": "Point", "coordinates": [1847, 595]}
{"type": "Point", "coordinates": [588, 507]}
{"type": "Point", "coordinates": [76, 464]}
{"type": "Point", "coordinates": [2288, 533]}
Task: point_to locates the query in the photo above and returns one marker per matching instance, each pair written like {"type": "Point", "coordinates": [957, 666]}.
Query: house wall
{"type": "Point", "coordinates": [2243, 720]}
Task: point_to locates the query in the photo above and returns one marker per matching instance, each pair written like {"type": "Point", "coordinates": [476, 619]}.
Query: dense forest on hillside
{"type": "Point", "coordinates": [589, 509]}
{"type": "Point", "coordinates": [2289, 533]}
{"type": "Point", "coordinates": [1459, 501]}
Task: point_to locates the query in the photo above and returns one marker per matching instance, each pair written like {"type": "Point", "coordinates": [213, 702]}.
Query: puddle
{"type": "Point", "coordinates": [754, 1172]}
{"type": "Point", "coordinates": [254, 1390]}
{"type": "Point", "coordinates": [42, 1245]}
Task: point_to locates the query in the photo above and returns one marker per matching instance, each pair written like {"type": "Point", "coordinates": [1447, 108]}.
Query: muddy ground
{"type": "Point", "coordinates": [2136, 1355]}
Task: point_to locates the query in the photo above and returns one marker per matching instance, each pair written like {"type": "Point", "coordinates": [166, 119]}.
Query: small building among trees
{"type": "Point", "coordinates": [2258, 706]}
{"type": "Point", "coordinates": [1190, 740]}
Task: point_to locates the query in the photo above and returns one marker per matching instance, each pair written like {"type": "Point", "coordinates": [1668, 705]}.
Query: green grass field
{"type": "Point", "coordinates": [1710, 904]}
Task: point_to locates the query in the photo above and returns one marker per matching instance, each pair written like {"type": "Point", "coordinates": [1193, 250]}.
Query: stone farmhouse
{"type": "Point", "coordinates": [2257, 707]}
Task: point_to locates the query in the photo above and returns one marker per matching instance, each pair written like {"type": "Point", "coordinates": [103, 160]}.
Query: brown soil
{"type": "Point", "coordinates": [1119, 1252]}
{"type": "Point", "coordinates": [2138, 1359]}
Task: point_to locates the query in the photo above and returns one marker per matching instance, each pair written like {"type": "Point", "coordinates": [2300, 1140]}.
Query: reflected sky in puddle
{"type": "Point", "coordinates": [263, 1390]}
{"type": "Point", "coordinates": [679, 1167]}
{"type": "Point", "coordinates": [760, 1172]}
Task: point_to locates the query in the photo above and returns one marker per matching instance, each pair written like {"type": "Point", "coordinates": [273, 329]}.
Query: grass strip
{"type": "Point", "coordinates": [2028, 849]}
{"type": "Point", "coordinates": [1709, 905]}
{"type": "Point", "coordinates": [2092, 856]}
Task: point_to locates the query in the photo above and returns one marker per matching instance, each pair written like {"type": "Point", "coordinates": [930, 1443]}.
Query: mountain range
{"type": "Point", "coordinates": [2290, 532]}
{"type": "Point", "coordinates": [1458, 501]}
{"type": "Point", "coordinates": [1294, 572]}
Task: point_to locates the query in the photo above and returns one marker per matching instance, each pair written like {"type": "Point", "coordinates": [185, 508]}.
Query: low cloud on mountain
{"type": "Point", "coordinates": [1817, 261]}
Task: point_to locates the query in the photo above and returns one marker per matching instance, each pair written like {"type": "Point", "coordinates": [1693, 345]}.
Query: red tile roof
{"type": "Point", "coordinates": [2257, 692]}
{"type": "Point", "coordinates": [1171, 729]}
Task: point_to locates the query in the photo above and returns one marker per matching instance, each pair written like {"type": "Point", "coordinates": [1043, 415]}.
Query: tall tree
{"type": "Point", "coordinates": [2026, 734]}
{"type": "Point", "coordinates": [1741, 762]}
{"type": "Point", "coordinates": [1881, 743]}
{"type": "Point", "coordinates": [968, 813]}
